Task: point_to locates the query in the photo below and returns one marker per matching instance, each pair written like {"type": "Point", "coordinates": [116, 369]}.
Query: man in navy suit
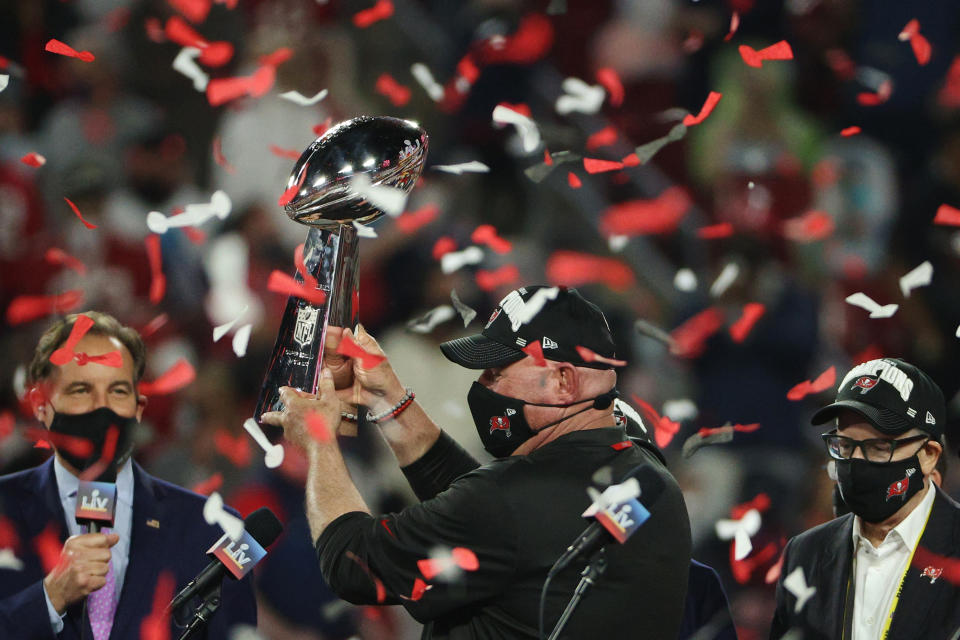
{"type": "Point", "coordinates": [85, 393]}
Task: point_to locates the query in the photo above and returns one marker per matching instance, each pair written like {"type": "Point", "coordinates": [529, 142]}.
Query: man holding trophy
{"type": "Point", "coordinates": [471, 559]}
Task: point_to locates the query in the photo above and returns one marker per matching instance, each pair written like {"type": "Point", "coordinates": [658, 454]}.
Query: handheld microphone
{"type": "Point", "coordinates": [237, 558]}
{"type": "Point", "coordinates": [618, 520]}
{"type": "Point", "coordinates": [96, 504]}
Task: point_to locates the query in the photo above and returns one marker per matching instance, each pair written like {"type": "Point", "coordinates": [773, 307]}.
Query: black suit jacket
{"type": "Point", "coordinates": [29, 500]}
{"type": "Point", "coordinates": [927, 609]}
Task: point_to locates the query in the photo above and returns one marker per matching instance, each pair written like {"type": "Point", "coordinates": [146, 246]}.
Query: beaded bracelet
{"type": "Point", "coordinates": [390, 414]}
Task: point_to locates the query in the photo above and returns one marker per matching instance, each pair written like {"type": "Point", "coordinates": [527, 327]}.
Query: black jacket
{"type": "Point", "coordinates": [928, 609]}
{"type": "Point", "coordinates": [517, 514]}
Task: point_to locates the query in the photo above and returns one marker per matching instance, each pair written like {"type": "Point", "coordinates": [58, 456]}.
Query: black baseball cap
{"type": "Point", "coordinates": [566, 321]}
{"type": "Point", "coordinates": [893, 395]}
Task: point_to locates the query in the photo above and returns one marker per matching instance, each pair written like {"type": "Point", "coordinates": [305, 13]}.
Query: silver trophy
{"type": "Point", "coordinates": [389, 152]}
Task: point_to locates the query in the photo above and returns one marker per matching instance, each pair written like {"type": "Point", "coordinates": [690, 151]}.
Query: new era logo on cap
{"type": "Point", "coordinates": [549, 344]}
{"type": "Point", "coordinates": [930, 419]}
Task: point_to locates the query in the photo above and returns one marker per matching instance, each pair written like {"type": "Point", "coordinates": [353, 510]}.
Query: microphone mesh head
{"type": "Point", "coordinates": [263, 526]}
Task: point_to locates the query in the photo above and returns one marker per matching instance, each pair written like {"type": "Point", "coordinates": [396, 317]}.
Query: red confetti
{"type": "Point", "coordinates": [33, 159]}
{"type": "Point", "coordinates": [65, 354]}
{"type": "Point", "coordinates": [47, 545]}
{"type": "Point", "coordinates": [398, 94]}
{"type": "Point", "coordinates": [443, 246]}
{"type": "Point", "coordinates": [919, 44]}
{"type": "Point", "coordinates": [631, 160]}
{"type": "Point", "coordinates": [734, 25]}
{"type": "Point", "coordinates": [7, 423]}
{"type": "Point", "coordinates": [383, 523]}
{"type": "Point", "coordinates": [158, 281]}
{"type": "Point", "coordinates": [419, 588]}
{"type": "Point", "coordinates": [236, 449]}
{"type": "Point", "coordinates": [293, 154]}
{"type": "Point", "coordinates": [208, 486]}
{"type": "Point", "coordinates": [61, 257]}
{"type": "Point", "coordinates": [154, 325]}
{"type": "Point", "coordinates": [530, 42]}
{"type": "Point", "coordinates": [80, 447]}
{"type": "Point", "coordinates": [154, 30]}
{"type": "Point", "coordinates": [380, 11]}
{"type": "Point", "coordinates": [640, 217]}
{"type": "Point", "coordinates": [291, 191]}
{"type": "Point", "coordinates": [381, 592]}
{"type": "Point", "coordinates": [663, 427]}
{"type": "Point", "coordinates": [602, 138]}
{"type": "Point", "coordinates": [459, 557]}
{"type": "Point", "coordinates": [572, 269]}
{"type": "Point", "coordinates": [194, 10]}
{"type": "Point", "coordinates": [276, 58]}
{"type": "Point", "coordinates": [882, 94]}
{"type": "Point", "coordinates": [870, 352]}
{"type": "Point", "coordinates": [320, 129]}
{"type": "Point", "coordinates": [711, 102]}
{"type": "Point", "coordinates": [610, 81]}
{"type": "Point", "coordinates": [752, 311]}
{"type": "Point", "coordinates": [486, 234]}
{"type": "Point", "coordinates": [412, 221]}
{"type": "Point", "coordinates": [279, 282]}
{"type": "Point", "coordinates": [212, 54]}
{"type": "Point", "coordinates": [520, 107]}
{"type": "Point", "coordinates": [949, 95]}
{"type": "Point", "coordinates": [778, 51]}
{"type": "Point", "coordinates": [822, 382]}
{"type": "Point", "coordinates": [117, 19]}
{"type": "Point", "coordinates": [156, 626]}
{"type": "Point", "coordinates": [535, 351]}
{"type": "Point", "coordinates": [351, 349]}
{"type": "Point", "coordinates": [715, 231]}
{"type": "Point", "coordinates": [173, 379]}
{"type": "Point", "coordinates": [223, 90]}
{"type": "Point", "coordinates": [850, 131]}
{"type": "Point", "coordinates": [743, 569]}
{"type": "Point", "coordinates": [490, 280]}
{"type": "Point", "coordinates": [760, 502]}
{"type": "Point", "coordinates": [592, 356]}
{"type": "Point", "coordinates": [219, 158]}
{"type": "Point", "coordinates": [947, 215]}
{"type": "Point", "coordinates": [841, 64]}
{"type": "Point", "coordinates": [595, 165]}
{"type": "Point", "coordinates": [573, 180]}
{"type": "Point", "coordinates": [810, 227]}
{"type": "Point", "coordinates": [773, 573]}
{"type": "Point", "coordinates": [620, 446]}
{"type": "Point", "coordinates": [80, 215]}
{"type": "Point", "coordinates": [690, 338]}
{"type": "Point", "coordinates": [26, 308]}
{"type": "Point", "coordinates": [318, 429]}
{"type": "Point", "coordinates": [63, 49]}
{"type": "Point", "coordinates": [547, 158]}
{"type": "Point", "coordinates": [746, 428]}
{"type": "Point", "coordinates": [8, 535]}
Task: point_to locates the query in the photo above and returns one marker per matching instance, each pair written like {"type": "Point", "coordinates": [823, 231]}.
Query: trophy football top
{"type": "Point", "coordinates": [390, 151]}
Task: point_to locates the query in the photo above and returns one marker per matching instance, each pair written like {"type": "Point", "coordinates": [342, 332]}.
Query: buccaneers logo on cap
{"type": "Point", "coordinates": [494, 316]}
{"type": "Point", "coordinates": [865, 383]}
{"type": "Point", "coordinates": [500, 423]}
{"type": "Point", "coordinates": [899, 488]}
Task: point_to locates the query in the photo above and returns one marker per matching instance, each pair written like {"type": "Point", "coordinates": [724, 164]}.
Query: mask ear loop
{"type": "Point", "coordinates": [600, 402]}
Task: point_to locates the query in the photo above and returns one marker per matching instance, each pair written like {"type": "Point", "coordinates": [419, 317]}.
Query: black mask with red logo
{"type": "Point", "coordinates": [501, 423]}
{"type": "Point", "coordinates": [877, 491]}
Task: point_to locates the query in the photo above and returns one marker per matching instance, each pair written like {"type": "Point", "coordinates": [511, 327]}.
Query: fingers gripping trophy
{"type": "Point", "coordinates": [334, 178]}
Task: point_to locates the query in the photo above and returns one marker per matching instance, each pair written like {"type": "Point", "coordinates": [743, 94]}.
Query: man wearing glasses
{"type": "Point", "coordinates": [890, 568]}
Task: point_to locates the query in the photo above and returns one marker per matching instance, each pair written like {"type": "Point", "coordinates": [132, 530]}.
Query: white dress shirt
{"type": "Point", "coordinates": [67, 485]}
{"type": "Point", "coordinates": [878, 571]}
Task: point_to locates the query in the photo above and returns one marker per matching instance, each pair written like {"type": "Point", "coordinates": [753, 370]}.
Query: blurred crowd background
{"type": "Point", "coordinates": [126, 134]}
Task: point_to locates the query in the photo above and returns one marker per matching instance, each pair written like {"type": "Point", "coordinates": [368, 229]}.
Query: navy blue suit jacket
{"type": "Point", "coordinates": [30, 501]}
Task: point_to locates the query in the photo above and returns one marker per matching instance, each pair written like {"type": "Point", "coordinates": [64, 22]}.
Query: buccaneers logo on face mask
{"type": "Point", "coordinates": [500, 423]}
{"type": "Point", "coordinates": [899, 488]}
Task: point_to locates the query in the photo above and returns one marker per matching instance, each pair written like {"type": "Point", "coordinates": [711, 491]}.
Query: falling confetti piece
{"type": "Point", "coordinates": [193, 10]}
{"type": "Point", "coordinates": [456, 260]}
{"type": "Point", "coordinates": [541, 170]}
{"type": "Point", "coordinates": [382, 10]}
{"type": "Point", "coordinates": [881, 95]}
{"type": "Point", "coordinates": [65, 353]}
{"type": "Point", "coordinates": [796, 584]}
{"type": "Point", "coordinates": [235, 449]}
{"type": "Point", "coordinates": [156, 625]}
{"type": "Point", "coordinates": [574, 181]}
{"type": "Point", "coordinates": [641, 217]}
{"type": "Point", "coordinates": [47, 545]}
{"type": "Point", "coordinates": [57, 256]}
{"type": "Point", "coordinates": [292, 190]}
{"type": "Point", "coordinates": [947, 215]}
{"type": "Point", "coordinates": [33, 159]}
{"type": "Point", "coordinates": [386, 86]}
{"type": "Point", "coordinates": [194, 214]}
{"type": "Point", "coordinates": [595, 165]}
{"type": "Point", "coordinates": [526, 127]}
{"type": "Point", "coordinates": [467, 314]}
{"type": "Point", "coordinates": [734, 25]}
{"type": "Point", "coordinates": [443, 246]}
{"type": "Point", "coordinates": [664, 429]}
{"type": "Point", "coordinates": [579, 97]}
{"type": "Point", "coordinates": [602, 138]}
{"type": "Point", "coordinates": [689, 120]}
{"type": "Point", "coordinates": [778, 51]}
{"type": "Point", "coordinates": [850, 131]}
{"type": "Point", "coordinates": [810, 227]}
{"type": "Point", "coordinates": [919, 43]}
{"type": "Point", "coordinates": [824, 381]}
{"type": "Point", "coordinates": [348, 347]}
{"type": "Point", "coordinates": [535, 351]}
{"type": "Point", "coordinates": [273, 453]}
{"type": "Point", "coordinates": [920, 276]}
{"type": "Point", "coordinates": [292, 154]}
{"type": "Point", "coordinates": [690, 338]}
{"type": "Point", "coordinates": [215, 514]}
{"type": "Point", "coordinates": [752, 312]}
{"type": "Point", "coordinates": [173, 379]}
{"type": "Point", "coordinates": [685, 280]}
{"type": "Point", "coordinates": [491, 280]}
{"type": "Point", "coordinates": [4, 81]}
{"type": "Point", "coordinates": [591, 356]}
{"type": "Point", "coordinates": [486, 234]}
{"type": "Point", "coordinates": [715, 231]}
{"type": "Point", "coordinates": [422, 74]}
{"type": "Point", "coordinates": [443, 561]}
{"type": "Point", "coordinates": [63, 49]}
{"type": "Point", "coordinates": [158, 281]}
{"type": "Point", "coordinates": [241, 339]}
{"type": "Point", "coordinates": [411, 221]}
{"type": "Point", "coordinates": [76, 212]}
{"type": "Point", "coordinates": [740, 530]}
{"type": "Point", "coordinates": [464, 167]}
{"type": "Point", "coordinates": [572, 269]}
{"type": "Point", "coordinates": [431, 319]}
{"type": "Point", "coordinates": [610, 80]}
{"type": "Point", "coordinates": [280, 282]}
{"type": "Point", "coordinates": [864, 301]}
{"type": "Point", "coordinates": [26, 308]}
{"type": "Point", "coordinates": [208, 486]}
{"type": "Point", "coordinates": [645, 152]}
{"type": "Point", "coordinates": [219, 158]}
{"type": "Point", "coordinates": [299, 99]}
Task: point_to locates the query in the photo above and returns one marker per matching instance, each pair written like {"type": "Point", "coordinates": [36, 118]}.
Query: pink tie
{"type": "Point", "coordinates": [101, 605]}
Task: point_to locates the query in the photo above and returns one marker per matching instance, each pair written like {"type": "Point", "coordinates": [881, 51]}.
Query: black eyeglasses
{"type": "Point", "coordinates": [874, 449]}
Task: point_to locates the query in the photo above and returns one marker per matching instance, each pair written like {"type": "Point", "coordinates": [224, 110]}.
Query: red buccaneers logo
{"type": "Point", "coordinates": [494, 316]}
{"type": "Point", "coordinates": [865, 383]}
{"type": "Point", "coordinates": [899, 488]}
{"type": "Point", "coordinates": [932, 572]}
{"type": "Point", "coordinates": [500, 423]}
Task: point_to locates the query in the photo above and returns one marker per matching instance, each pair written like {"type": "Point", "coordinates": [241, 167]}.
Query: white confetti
{"type": "Point", "coordinates": [363, 231]}
{"type": "Point", "coordinates": [726, 278]}
{"type": "Point", "coordinates": [740, 531]}
{"type": "Point", "coordinates": [273, 453]}
{"type": "Point", "coordinates": [456, 260]}
{"type": "Point", "coordinates": [241, 339]}
{"type": "Point", "coordinates": [474, 166]}
{"type": "Point", "coordinates": [387, 199]}
{"type": "Point", "coordinates": [685, 280]}
{"type": "Point", "coordinates": [224, 329]}
{"type": "Point", "coordinates": [527, 128]}
{"type": "Point", "coordinates": [796, 584]}
{"type": "Point", "coordinates": [429, 321]}
{"type": "Point", "coordinates": [186, 63]}
{"type": "Point", "coordinates": [298, 98]}
{"type": "Point", "coordinates": [9, 561]}
{"type": "Point", "coordinates": [862, 300]}
{"type": "Point", "coordinates": [421, 73]}
{"type": "Point", "coordinates": [958, 331]}
{"type": "Point", "coordinates": [193, 214]}
{"type": "Point", "coordinates": [214, 513]}
{"type": "Point", "coordinates": [617, 243]}
{"type": "Point", "coordinates": [4, 81]}
{"type": "Point", "coordinates": [680, 409]}
{"type": "Point", "coordinates": [919, 277]}
{"type": "Point", "coordinates": [580, 97]}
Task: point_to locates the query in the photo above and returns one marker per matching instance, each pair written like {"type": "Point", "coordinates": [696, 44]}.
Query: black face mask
{"type": "Point", "coordinates": [501, 423]}
{"type": "Point", "coordinates": [94, 426]}
{"type": "Point", "coordinates": [877, 491]}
